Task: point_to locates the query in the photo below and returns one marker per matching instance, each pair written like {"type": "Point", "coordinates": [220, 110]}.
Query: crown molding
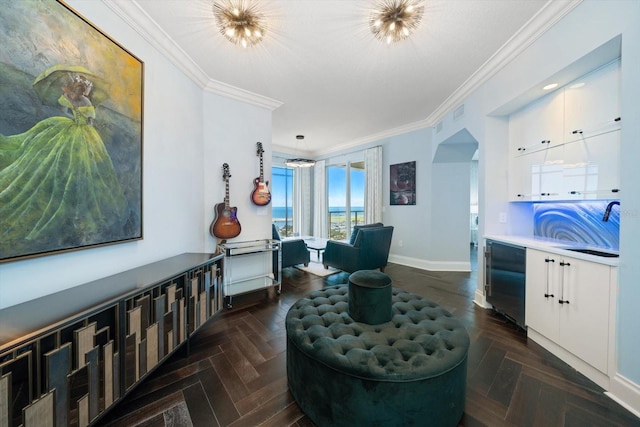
{"type": "Point", "coordinates": [548, 16]}
{"type": "Point", "coordinates": [552, 12]}
{"type": "Point", "coordinates": [375, 137]}
{"type": "Point", "coordinates": [131, 12]}
{"type": "Point", "coordinates": [233, 92]}
{"type": "Point", "coordinates": [400, 130]}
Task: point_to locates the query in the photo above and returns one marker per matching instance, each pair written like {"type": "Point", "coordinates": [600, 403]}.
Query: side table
{"type": "Point", "coordinates": [233, 286]}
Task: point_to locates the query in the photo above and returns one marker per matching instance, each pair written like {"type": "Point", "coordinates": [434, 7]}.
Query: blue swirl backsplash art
{"type": "Point", "coordinates": [579, 223]}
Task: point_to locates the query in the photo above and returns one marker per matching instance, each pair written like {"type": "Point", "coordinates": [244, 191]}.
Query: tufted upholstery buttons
{"type": "Point", "coordinates": [420, 340]}
{"type": "Point", "coordinates": [409, 370]}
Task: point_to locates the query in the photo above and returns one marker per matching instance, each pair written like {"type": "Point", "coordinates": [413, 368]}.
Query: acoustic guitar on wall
{"type": "Point", "coordinates": [226, 224]}
{"type": "Point", "coordinates": [260, 195]}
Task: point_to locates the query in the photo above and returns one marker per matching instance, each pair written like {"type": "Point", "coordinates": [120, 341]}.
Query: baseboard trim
{"type": "Point", "coordinates": [626, 393]}
{"type": "Point", "coordinates": [569, 358]}
{"type": "Point", "coordinates": [481, 300]}
{"type": "Point", "coordinates": [423, 264]}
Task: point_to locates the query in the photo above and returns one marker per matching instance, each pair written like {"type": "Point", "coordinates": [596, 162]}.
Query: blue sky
{"type": "Point", "coordinates": [336, 177]}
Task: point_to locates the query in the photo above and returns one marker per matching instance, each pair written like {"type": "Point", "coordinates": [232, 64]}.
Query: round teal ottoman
{"type": "Point", "coordinates": [410, 370]}
{"type": "Point", "coordinates": [370, 297]}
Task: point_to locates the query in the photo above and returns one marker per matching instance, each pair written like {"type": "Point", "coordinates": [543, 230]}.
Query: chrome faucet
{"type": "Point", "coordinates": [607, 211]}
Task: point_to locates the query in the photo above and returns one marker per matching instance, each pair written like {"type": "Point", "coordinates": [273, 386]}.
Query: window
{"type": "Point", "coordinates": [345, 190]}
{"type": "Point", "coordinates": [282, 200]}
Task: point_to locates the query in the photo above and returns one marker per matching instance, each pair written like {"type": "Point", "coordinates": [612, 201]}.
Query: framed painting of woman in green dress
{"type": "Point", "coordinates": [71, 116]}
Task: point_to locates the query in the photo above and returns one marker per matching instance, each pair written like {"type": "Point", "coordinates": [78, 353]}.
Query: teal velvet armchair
{"type": "Point", "coordinates": [369, 251]}
{"type": "Point", "coordinates": [294, 251]}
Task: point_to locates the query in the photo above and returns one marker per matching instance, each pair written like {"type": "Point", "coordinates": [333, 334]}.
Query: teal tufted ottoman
{"type": "Point", "coordinates": [408, 371]}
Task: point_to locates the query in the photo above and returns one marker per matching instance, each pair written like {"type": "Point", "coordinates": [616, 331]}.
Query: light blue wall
{"type": "Point", "coordinates": [411, 223]}
{"type": "Point", "coordinates": [591, 24]}
{"type": "Point", "coordinates": [231, 131]}
{"type": "Point", "coordinates": [429, 235]}
{"type": "Point", "coordinates": [187, 136]}
{"type": "Point", "coordinates": [628, 338]}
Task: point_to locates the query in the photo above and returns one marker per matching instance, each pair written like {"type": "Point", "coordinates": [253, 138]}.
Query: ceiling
{"type": "Point", "coordinates": [321, 70]}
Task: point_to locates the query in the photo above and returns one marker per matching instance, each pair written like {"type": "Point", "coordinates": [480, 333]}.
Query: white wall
{"type": "Point", "coordinates": [187, 136]}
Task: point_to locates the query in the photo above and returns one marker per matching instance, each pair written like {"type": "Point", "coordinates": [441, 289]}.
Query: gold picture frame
{"type": "Point", "coordinates": [71, 133]}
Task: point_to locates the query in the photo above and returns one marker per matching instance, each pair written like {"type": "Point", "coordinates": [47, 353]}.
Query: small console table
{"type": "Point", "coordinates": [234, 285]}
{"type": "Point", "coordinates": [68, 357]}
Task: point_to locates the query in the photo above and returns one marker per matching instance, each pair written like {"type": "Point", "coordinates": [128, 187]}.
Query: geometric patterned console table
{"type": "Point", "coordinates": [66, 358]}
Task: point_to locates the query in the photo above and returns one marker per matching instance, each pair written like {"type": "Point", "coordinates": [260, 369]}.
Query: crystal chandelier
{"type": "Point", "coordinates": [299, 162]}
{"type": "Point", "coordinates": [240, 22]}
{"type": "Point", "coordinates": [395, 20]}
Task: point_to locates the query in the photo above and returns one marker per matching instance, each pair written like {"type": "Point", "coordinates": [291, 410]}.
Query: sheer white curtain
{"type": "Point", "coordinates": [302, 201]}
{"type": "Point", "coordinates": [373, 176]}
{"type": "Point", "coordinates": [320, 200]}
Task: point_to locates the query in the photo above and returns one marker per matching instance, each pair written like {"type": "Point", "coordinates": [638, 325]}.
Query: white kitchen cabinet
{"type": "Point", "coordinates": [581, 170]}
{"type": "Point", "coordinates": [592, 103]}
{"type": "Point", "coordinates": [568, 302]}
{"type": "Point", "coordinates": [592, 167]}
{"type": "Point", "coordinates": [536, 154]}
{"type": "Point", "coordinates": [538, 126]}
{"type": "Point", "coordinates": [584, 316]}
{"type": "Point", "coordinates": [566, 146]}
{"type": "Point", "coordinates": [538, 175]}
{"type": "Point", "coordinates": [541, 303]}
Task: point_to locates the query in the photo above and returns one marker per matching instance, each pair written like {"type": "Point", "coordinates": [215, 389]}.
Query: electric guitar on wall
{"type": "Point", "coordinates": [226, 224]}
{"type": "Point", "coordinates": [260, 195]}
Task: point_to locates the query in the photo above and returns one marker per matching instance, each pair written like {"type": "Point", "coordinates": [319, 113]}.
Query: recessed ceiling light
{"type": "Point", "coordinates": [550, 86]}
{"type": "Point", "coordinates": [577, 85]}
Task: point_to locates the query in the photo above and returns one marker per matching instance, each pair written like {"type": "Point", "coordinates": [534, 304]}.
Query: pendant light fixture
{"type": "Point", "coordinates": [395, 20]}
{"type": "Point", "coordinates": [299, 162]}
{"type": "Point", "coordinates": [240, 22]}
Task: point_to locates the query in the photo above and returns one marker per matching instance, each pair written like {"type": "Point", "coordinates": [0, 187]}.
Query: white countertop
{"type": "Point", "coordinates": [560, 247]}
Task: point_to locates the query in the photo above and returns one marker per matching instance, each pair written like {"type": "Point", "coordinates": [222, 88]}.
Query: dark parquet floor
{"type": "Point", "coordinates": [234, 372]}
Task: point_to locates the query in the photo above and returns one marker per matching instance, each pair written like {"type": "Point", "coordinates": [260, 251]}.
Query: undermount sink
{"type": "Point", "coordinates": [595, 252]}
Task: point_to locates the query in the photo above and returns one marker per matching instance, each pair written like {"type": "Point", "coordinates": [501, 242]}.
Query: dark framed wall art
{"type": "Point", "coordinates": [71, 120]}
{"type": "Point", "coordinates": [402, 183]}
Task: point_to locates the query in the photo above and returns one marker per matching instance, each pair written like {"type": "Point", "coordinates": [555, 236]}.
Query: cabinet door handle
{"type": "Point", "coordinates": [577, 131]}
{"type": "Point", "coordinates": [562, 300]}
{"type": "Point", "coordinates": [545, 141]}
{"type": "Point", "coordinates": [522, 149]}
{"type": "Point", "coordinates": [487, 272]}
{"type": "Point", "coordinates": [547, 261]}
{"type": "Point", "coordinates": [519, 195]}
{"type": "Point", "coordinates": [615, 190]}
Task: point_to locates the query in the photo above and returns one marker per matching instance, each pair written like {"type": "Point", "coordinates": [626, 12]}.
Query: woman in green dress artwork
{"type": "Point", "coordinates": [58, 187]}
